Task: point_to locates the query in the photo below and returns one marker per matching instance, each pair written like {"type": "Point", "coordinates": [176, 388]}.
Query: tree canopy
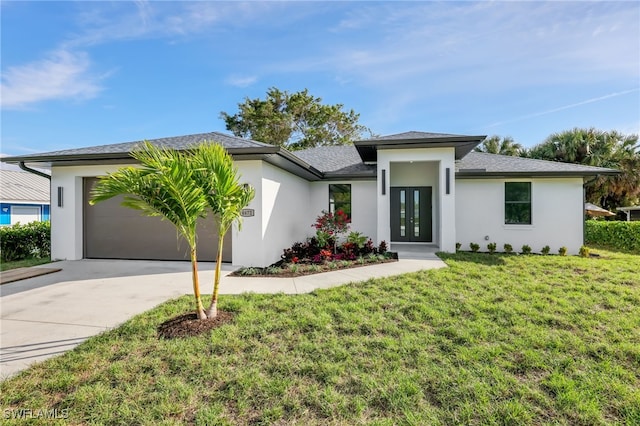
{"type": "Point", "coordinates": [503, 146]}
{"type": "Point", "coordinates": [602, 149]}
{"type": "Point", "coordinates": [294, 120]}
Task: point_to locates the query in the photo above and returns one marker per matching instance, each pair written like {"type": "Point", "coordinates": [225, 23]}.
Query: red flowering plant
{"type": "Point", "coordinates": [330, 226]}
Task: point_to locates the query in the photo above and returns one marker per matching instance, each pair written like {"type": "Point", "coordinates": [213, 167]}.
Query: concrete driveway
{"type": "Point", "coordinates": [50, 314]}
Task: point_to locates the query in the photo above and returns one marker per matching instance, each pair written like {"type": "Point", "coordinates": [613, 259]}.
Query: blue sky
{"type": "Point", "coordinates": [90, 73]}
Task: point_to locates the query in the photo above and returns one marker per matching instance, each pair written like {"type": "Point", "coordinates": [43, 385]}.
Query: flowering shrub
{"type": "Point", "coordinates": [324, 247]}
{"type": "Point", "coordinates": [330, 226]}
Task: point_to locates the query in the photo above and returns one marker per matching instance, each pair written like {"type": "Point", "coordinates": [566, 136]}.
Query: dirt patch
{"type": "Point", "coordinates": [188, 325]}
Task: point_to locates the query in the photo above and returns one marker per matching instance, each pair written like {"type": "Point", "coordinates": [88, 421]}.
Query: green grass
{"type": "Point", "coordinates": [494, 339]}
{"type": "Point", "coordinates": [33, 261]}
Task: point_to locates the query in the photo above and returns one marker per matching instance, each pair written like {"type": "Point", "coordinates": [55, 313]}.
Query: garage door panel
{"type": "Point", "coordinates": [112, 231]}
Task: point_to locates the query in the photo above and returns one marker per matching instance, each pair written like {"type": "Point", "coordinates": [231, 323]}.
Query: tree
{"type": "Point", "coordinates": [602, 149]}
{"type": "Point", "coordinates": [294, 121]}
{"type": "Point", "coordinates": [506, 146]}
{"type": "Point", "coordinates": [163, 186]}
{"type": "Point", "coordinates": [217, 176]}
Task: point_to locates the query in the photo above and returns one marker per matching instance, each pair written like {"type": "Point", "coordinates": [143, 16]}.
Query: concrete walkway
{"type": "Point", "coordinates": [50, 314]}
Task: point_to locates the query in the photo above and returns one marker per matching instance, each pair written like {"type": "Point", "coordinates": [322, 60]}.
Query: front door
{"type": "Point", "coordinates": [411, 214]}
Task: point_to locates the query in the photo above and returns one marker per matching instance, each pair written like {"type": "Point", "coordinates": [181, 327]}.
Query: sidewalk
{"type": "Point", "coordinates": [50, 314]}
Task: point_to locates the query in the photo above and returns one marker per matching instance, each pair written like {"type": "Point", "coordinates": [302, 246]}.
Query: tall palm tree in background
{"type": "Point", "coordinates": [502, 146]}
{"type": "Point", "coordinates": [601, 149]}
{"type": "Point", "coordinates": [163, 186]}
{"type": "Point", "coordinates": [216, 174]}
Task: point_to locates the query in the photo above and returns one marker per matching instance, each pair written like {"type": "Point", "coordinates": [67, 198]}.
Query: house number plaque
{"type": "Point", "coordinates": [247, 212]}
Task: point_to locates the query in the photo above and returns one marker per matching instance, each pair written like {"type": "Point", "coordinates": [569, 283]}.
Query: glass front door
{"type": "Point", "coordinates": [411, 214]}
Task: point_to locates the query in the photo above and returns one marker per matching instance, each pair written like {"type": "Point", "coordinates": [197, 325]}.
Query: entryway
{"type": "Point", "coordinates": [411, 215]}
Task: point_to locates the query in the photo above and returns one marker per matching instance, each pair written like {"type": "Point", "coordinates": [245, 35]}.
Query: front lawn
{"type": "Point", "coordinates": [494, 339]}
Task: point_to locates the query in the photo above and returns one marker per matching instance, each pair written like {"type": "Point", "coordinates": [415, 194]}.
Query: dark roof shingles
{"type": "Point", "coordinates": [177, 142]}
{"type": "Point", "coordinates": [494, 163]}
{"type": "Point", "coordinates": [333, 160]}
{"type": "Point", "coordinates": [413, 135]}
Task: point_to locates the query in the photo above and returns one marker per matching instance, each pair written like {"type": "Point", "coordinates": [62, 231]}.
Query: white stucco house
{"type": "Point", "coordinates": [426, 189]}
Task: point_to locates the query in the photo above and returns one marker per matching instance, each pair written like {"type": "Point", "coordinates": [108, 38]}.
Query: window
{"type": "Point", "coordinates": [340, 198]}
{"type": "Point", "coordinates": [517, 203]}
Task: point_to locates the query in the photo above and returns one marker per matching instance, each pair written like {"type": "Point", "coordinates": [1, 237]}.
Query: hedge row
{"type": "Point", "coordinates": [19, 242]}
{"type": "Point", "coordinates": [621, 235]}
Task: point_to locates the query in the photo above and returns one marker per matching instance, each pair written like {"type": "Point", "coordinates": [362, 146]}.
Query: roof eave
{"type": "Point", "coordinates": [349, 176]}
{"type": "Point", "coordinates": [462, 145]}
{"type": "Point", "coordinates": [554, 174]}
{"type": "Point", "coordinates": [272, 154]}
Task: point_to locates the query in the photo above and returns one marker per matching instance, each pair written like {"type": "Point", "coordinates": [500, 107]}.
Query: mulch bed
{"type": "Point", "coordinates": [286, 273]}
{"type": "Point", "coordinates": [188, 325]}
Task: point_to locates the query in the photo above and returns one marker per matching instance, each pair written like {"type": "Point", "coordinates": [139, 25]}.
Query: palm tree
{"type": "Point", "coordinates": [602, 149]}
{"type": "Point", "coordinates": [217, 176]}
{"type": "Point", "coordinates": [506, 146]}
{"type": "Point", "coordinates": [162, 186]}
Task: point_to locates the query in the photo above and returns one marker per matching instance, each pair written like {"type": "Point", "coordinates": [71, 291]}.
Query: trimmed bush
{"type": "Point", "coordinates": [562, 251]}
{"type": "Point", "coordinates": [19, 242]}
{"type": "Point", "coordinates": [492, 247]}
{"type": "Point", "coordinates": [545, 250]}
{"type": "Point", "coordinates": [584, 251]}
{"type": "Point", "coordinates": [617, 234]}
{"type": "Point", "coordinates": [508, 248]}
{"type": "Point", "coordinates": [474, 247]}
{"type": "Point", "coordinates": [526, 249]}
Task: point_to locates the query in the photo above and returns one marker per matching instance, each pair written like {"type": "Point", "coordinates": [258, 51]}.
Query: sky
{"type": "Point", "coordinates": [77, 74]}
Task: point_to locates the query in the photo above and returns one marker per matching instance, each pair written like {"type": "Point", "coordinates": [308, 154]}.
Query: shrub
{"type": "Point", "coordinates": [458, 246]}
{"type": "Point", "coordinates": [474, 247]}
{"type": "Point", "coordinates": [273, 270]}
{"type": "Point", "coordinates": [249, 271]}
{"type": "Point", "coordinates": [491, 247]}
{"type": "Point", "coordinates": [584, 251]}
{"type": "Point", "coordinates": [357, 238]}
{"type": "Point", "coordinates": [508, 248]}
{"type": "Point", "coordinates": [562, 251]}
{"type": "Point", "coordinates": [617, 234]}
{"type": "Point", "coordinates": [526, 249]}
{"type": "Point", "coordinates": [330, 226]}
{"type": "Point", "coordinates": [545, 250]}
{"type": "Point", "coordinates": [19, 242]}
{"type": "Point", "coordinates": [382, 248]}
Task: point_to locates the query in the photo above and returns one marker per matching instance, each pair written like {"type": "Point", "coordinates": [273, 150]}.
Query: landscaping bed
{"type": "Point", "coordinates": [285, 270]}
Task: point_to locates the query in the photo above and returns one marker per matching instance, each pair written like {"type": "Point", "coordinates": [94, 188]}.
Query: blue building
{"type": "Point", "coordinates": [24, 197]}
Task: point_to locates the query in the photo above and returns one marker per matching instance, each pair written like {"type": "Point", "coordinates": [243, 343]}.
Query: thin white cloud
{"type": "Point", "coordinates": [565, 107]}
{"type": "Point", "coordinates": [241, 81]}
{"type": "Point", "coordinates": [61, 75]}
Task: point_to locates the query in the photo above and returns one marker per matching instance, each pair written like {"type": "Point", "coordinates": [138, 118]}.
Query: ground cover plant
{"type": "Point", "coordinates": [493, 339]}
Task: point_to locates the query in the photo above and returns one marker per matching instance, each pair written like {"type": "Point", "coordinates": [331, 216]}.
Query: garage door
{"type": "Point", "coordinates": [112, 231]}
{"type": "Point", "coordinates": [24, 214]}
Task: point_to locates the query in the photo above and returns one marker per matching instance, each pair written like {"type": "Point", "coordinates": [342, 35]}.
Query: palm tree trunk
{"type": "Point", "coordinates": [196, 285]}
{"type": "Point", "coordinates": [212, 312]}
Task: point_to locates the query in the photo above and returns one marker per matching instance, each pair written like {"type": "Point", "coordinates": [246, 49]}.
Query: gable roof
{"type": "Point", "coordinates": [23, 187]}
{"type": "Point", "coordinates": [481, 164]}
{"type": "Point", "coordinates": [462, 144]}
